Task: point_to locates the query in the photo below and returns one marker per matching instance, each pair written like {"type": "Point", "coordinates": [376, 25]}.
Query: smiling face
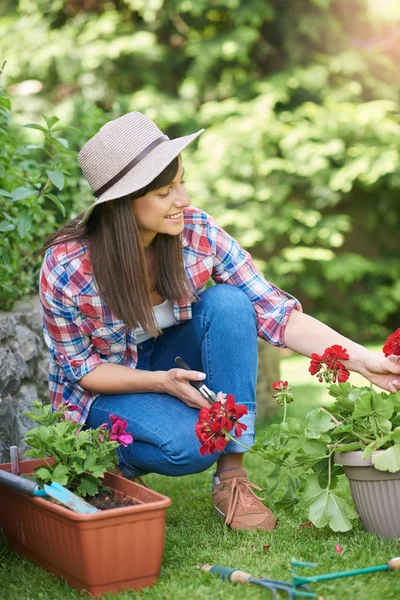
{"type": "Point", "coordinates": [161, 210]}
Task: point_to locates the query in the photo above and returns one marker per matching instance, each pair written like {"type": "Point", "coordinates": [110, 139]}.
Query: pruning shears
{"type": "Point", "coordinates": [201, 387]}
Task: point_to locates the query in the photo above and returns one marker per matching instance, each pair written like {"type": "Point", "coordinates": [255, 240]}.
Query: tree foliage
{"type": "Point", "coordinates": [300, 158]}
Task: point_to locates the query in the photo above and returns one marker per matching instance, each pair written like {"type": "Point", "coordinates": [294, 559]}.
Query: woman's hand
{"type": "Point", "coordinates": [176, 383]}
{"type": "Point", "coordinates": [381, 370]}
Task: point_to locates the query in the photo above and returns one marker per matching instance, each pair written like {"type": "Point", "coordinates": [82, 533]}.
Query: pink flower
{"type": "Point", "coordinates": [118, 431]}
{"type": "Point", "coordinates": [102, 428]}
{"type": "Point", "coordinates": [70, 407]}
{"type": "Point", "coordinates": [338, 548]}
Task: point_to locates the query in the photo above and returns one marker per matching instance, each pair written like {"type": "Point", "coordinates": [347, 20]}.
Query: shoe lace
{"type": "Point", "coordinates": [241, 493]}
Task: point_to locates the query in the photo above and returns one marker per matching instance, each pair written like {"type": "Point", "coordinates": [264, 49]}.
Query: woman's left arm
{"type": "Point", "coordinates": [306, 335]}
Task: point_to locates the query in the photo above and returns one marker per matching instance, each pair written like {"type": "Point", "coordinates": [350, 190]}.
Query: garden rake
{"type": "Point", "coordinates": [299, 586]}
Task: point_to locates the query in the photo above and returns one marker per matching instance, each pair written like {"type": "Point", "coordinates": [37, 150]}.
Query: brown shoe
{"type": "Point", "coordinates": [234, 499]}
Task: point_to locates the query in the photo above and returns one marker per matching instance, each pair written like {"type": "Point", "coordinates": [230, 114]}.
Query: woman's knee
{"type": "Point", "coordinates": [224, 299]}
{"type": "Point", "coordinates": [184, 453]}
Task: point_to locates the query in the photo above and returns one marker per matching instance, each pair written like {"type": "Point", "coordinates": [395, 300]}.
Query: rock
{"type": "Point", "coordinates": [23, 372]}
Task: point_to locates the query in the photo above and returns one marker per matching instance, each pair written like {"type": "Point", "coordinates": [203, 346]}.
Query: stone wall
{"type": "Point", "coordinates": [24, 367]}
{"type": "Point", "coordinates": [23, 371]}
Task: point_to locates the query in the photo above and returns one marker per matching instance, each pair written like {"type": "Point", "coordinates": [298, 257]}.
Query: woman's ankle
{"type": "Point", "coordinates": [229, 461]}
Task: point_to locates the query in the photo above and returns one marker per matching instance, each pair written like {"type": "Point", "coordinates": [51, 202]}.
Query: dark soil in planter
{"type": "Point", "coordinates": [105, 500]}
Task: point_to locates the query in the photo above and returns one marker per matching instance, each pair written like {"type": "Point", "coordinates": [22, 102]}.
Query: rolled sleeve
{"type": "Point", "coordinates": [272, 319]}
{"type": "Point", "coordinates": [69, 347]}
{"type": "Point", "coordinates": [234, 265]}
{"type": "Point", "coordinates": [77, 367]}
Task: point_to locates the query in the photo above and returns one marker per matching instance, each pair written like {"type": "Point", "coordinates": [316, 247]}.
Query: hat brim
{"type": "Point", "coordinates": [144, 172]}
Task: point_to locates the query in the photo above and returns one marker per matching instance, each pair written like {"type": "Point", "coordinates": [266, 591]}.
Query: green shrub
{"type": "Point", "coordinates": [31, 177]}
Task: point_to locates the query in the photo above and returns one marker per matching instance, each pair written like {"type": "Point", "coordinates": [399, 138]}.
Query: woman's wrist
{"type": "Point", "coordinates": [358, 359]}
{"type": "Point", "coordinates": [159, 381]}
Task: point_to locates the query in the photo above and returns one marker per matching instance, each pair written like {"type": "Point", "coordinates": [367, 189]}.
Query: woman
{"type": "Point", "coordinates": [122, 291]}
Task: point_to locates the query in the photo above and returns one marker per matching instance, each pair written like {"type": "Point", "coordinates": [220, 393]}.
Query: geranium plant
{"type": "Point", "coordinates": [81, 455]}
{"type": "Point", "coordinates": [299, 454]}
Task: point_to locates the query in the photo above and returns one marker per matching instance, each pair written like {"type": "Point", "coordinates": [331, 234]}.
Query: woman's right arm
{"type": "Point", "coordinates": [77, 357]}
{"type": "Point", "coordinates": [109, 378]}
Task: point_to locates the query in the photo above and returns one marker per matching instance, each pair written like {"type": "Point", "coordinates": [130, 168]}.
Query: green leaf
{"type": "Point", "coordinates": [50, 121]}
{"type": "Point", "coordinates": [349, 447]}
{"type": "Point", "coordinates": [326, 508]}
{"type": "Point", "coordinates": [5, 194]}
{"type": "Point", "coordinates": [62, 141]}
{"type": "Point", "coordinates": [44, 474]}
{"type": "Point", "coordinates": [60, 474]}
{"type": "Point", "coordinates": [98, 470]}
{"type": "Point", "coordinates": [56, 201]}
{"type": "Point", "coordinates": [387, 460]}
{"type": "Point", "coordinates": [88, 486]}
{"type": "Point", "coordinates": [346, 396]}
{"type": "Point", "coordinates": [372, 404]}
{"type": "Point", "coordinates": [311, 452]}
{"type": "Point", "coordinates": [57, 178]}
{"type": "Point", "coordinates": [375, 445]}
{"type": "Point", "coordinates": [89, 462]}
{"type": "Point", "coordinates": [395, 397]}
{"type": "Point", "coordinates": [317, 422]}
{"type": "Point", "coordinates": [292, 427]}
{"type": "Point", "coordinates": [322, 471]}
{"type": "Point", "coordinates": [21, 193]}
{"type": "Point", "coordinates": [395, 435]}
{"type": "Point", "coordinates": [24, 223]}
{"type": "Point", "coordinates": [6, 226]}
{"type": "Point", "coordinates": [290, 499]}
{"type": "Point", "coordinates": [34, 126]}
{"type": "Point", "coordinates": [277, 484]}
{"type": "Point", "coordinates": [35, 453]}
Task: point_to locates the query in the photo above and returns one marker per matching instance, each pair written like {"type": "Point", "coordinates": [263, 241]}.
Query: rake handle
{"type": "Point", "coordinates": [394, 564]}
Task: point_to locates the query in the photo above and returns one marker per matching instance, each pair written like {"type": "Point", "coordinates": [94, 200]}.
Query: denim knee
{"type": "Point", "coordinates": [224, 299]}
{"type": "Point", "coordinates": [185, 454]}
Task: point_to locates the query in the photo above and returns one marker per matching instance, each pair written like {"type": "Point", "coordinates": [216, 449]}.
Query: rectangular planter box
{"type": "Point", "coordinates": [112, 550]}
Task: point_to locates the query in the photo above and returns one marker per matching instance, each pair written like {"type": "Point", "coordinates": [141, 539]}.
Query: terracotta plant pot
{"type": "Point", "coordinates": [113, 550]}
{"type": "Point", "coordinates": [376, 494]}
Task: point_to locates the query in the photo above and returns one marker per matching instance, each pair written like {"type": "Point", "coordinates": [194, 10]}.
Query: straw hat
{"type": "Point", "coordinates": [125, 155]}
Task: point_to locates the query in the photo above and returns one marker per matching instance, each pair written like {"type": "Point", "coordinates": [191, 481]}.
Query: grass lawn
{"type": "Point", "coordinates": [195, 535]}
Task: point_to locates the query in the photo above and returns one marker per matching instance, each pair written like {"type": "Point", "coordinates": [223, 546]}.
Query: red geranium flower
{"type": "Point", "coordinates": [215, 423]}
{"type": "Point", "coordinates": [284, 393]}
{"type": "Point", "coordinates": [279, 385]}
{"type": "Point", "coordinates": [329, 367]}
{"type": "Point", "coordinates": [392, 344]}
{"type": "Point", "coordinates": [118, 431]}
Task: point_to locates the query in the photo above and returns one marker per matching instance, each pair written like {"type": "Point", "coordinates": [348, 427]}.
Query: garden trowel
{"type": "Point", "coordinates": [54, 490]}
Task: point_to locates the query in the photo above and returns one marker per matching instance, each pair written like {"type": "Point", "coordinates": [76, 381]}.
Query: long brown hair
{"type": "Point", "coordinates": [118, 258]}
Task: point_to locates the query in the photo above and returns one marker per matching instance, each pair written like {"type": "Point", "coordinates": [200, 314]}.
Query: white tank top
{"type": "Point", "coordinates": [164, 314]}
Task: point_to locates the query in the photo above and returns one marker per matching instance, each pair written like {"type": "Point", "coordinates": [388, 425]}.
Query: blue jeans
{"type": "Point", "coordinates": [221, 341]}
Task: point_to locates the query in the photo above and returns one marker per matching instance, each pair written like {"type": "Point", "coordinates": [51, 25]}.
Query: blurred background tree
{"type": "Point", "coordinates": [300, 101]}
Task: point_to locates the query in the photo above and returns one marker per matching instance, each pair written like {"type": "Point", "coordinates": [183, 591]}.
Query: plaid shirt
{"type": "Point", "coordinates": [82, 332]}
